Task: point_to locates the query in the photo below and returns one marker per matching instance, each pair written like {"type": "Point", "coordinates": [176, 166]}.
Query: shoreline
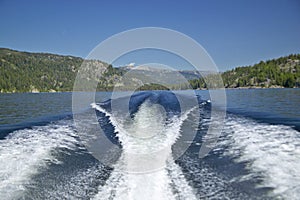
{"type": "Point", "coordinates": [238, 88]}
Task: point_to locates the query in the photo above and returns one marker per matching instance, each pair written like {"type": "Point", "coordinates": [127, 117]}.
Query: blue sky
{"type": "Point", "coordinates": [234, 33]}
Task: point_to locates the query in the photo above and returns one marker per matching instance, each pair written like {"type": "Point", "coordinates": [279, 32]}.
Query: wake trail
{"type": "Point", "coordinates": [146, 169]}
{"type": "Point", "coordinates": [23, 153]}
{"type": "Point", "coordinates": [271, 151]}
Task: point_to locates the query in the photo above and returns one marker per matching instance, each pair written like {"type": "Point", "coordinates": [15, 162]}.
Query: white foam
{"type": "Point", "coordinates": [142, 171]}
{"type": "Point", "coordinates": [272, 151]}
{"type": "Point", "coordinates": [122, 185]}
{"type": "Point", "coordinates": [79, 184]}
{"type": "Point", "coordinates": [24, 152]}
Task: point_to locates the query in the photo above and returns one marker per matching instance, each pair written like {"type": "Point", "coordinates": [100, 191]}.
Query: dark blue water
{"type": "Point", "coordinates": [278, 106]}
{"type": "Point", "coordinates": [257, 155]}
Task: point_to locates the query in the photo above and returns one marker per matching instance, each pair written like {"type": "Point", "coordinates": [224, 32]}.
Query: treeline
{"type": "Point", "coordinates": [43, 72]}
{"type": "Point", "coordinates": [280, 72]}
{"type": "Point", "coordinates": [29, 72]}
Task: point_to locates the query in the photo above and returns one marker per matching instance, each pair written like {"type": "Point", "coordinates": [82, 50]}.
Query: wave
{"type": "Point", "coordinates": [6, 129]}
{"type": "Point", "coordinates": [24, 152]}
{"type": "Point", "coordinates": [78, 180]}
{"type": "Point", "coordinates": [146, 169]}
{"type": "Point", "coordinates": [271, 152]}
{"type": "Point", "coordinates": [249, 154]}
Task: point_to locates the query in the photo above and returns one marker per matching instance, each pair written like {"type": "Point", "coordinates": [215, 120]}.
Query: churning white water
{"type": "Point", "coordinates": [271, 151]}
{"type": "Point", "coordinates": [23, 153]}
{"type": "Point", "coordinates": [143, 171]}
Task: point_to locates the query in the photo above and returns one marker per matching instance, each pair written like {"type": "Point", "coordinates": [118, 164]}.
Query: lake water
{"type": "Point", "coordinates": [257, 156]}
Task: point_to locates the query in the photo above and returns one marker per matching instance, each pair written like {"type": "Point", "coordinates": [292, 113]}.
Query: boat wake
{"type": "Point", "coordinates": [271, 152]}
{"type": "Point", "coordinates": [25, 152]}
{"type": "Point", "coordinates": [155, 155]}
{"type": "Point", "coordinates": [146, 169]}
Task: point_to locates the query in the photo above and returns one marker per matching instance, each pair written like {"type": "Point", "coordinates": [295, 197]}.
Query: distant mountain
{"type": "Point", "coordinates": [44, 72]}
{"type": "Point", "coordinates": [187, 74]}
{"type": "Point", "coordinates": [190, 75]}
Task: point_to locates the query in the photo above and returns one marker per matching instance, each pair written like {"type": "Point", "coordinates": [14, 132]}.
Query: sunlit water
{"type": "Point", "coordinates": [256, 157]}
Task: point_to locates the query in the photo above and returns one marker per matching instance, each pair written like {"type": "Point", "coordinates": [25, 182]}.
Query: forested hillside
{"type": "Point", "coordinates": [280, 72]}
{"type": "Point", "coordinates": [44, 72]}
{"type": "Point", "coordinates": [33, 72]}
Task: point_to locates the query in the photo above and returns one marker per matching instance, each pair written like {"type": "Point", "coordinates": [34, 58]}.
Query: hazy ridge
{"type": "Point", "coordinates": [45, 72]}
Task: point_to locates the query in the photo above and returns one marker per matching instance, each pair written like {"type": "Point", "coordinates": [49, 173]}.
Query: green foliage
{"type": "Point", "coordinates": [153, 86]}
{"type": "Point", "coordinates": [43, 72]}
{"type": "Point", "coordinates": [281, 72]}
{"type": "Point", "coordinates": [277, 72]}
{"type": "Point", "coordinates": [25, 72]}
